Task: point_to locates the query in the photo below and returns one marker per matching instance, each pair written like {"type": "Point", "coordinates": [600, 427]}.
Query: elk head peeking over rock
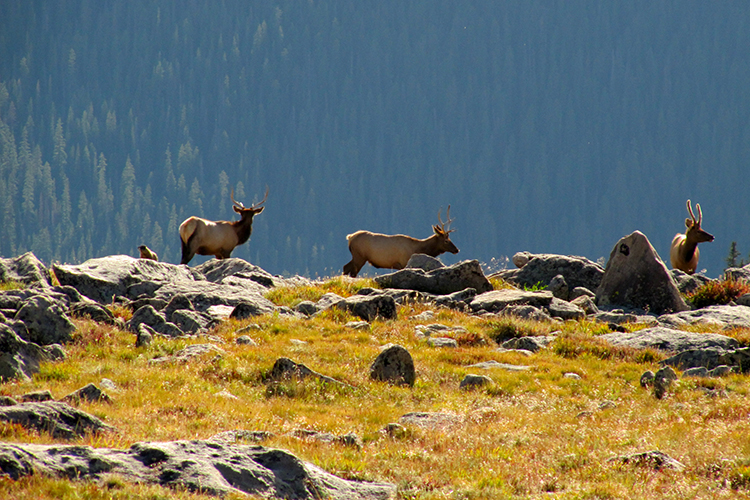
{"type": "Point", "coordinates": [206, 237]}
{"type": "Point", "coordinates": [684, 253]}
{"type": "Point", "coordinates": [394, 251]}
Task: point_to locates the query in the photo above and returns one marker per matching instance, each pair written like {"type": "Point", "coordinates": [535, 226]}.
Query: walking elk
{"type": "Point", "coordinates": [394, 251]}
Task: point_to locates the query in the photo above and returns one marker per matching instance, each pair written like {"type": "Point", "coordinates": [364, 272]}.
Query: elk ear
{"type": "Point", "coordinates": [258, 210]}
{"type": "Point", "coordinates": [437, 230]}
{"type": "Point", "coordinates": [237, 209]}
{"type": "Point", "coordinates": [688, 223]}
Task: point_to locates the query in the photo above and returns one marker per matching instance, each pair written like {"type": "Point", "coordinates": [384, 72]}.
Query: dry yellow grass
{"type": "Point", "coordinates": [531, 434]}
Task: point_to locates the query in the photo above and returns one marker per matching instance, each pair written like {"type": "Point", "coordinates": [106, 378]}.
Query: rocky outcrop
{"type": "Point", "coordinates": [209, 467]}
{"type": "Point", "coordinates": [441, 281]}
{"type": "Point", "coordinates": [497, 300]}
{"type": "Point", "coordinates": [543, 268]}
{"type": "Point", "coordinates": [19, 358]}
{"type": "Point", "coordinates": [669, 340]}
{"type": "Point", "coordinates": [636, 278]}
{"type": "Point", "coordinates": [26, 269]}
{"type": "Point", "coordinates": [54, 417]}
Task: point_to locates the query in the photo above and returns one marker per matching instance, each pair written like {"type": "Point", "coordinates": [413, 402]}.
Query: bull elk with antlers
{"type": "Point", "coordinates": [219, 238]}
{"type": "Point", "coordinates": [394, 251]}
{"type": "Point", "coordinates": [684, 252]}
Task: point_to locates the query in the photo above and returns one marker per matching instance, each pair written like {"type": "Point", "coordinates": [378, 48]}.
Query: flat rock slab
{"type": "Point", "coordinates": [487, 365]}
{"type": "Point", "coordinates": [497, 300]}
{"type": "Point", "coordinates": [725, 316]}
{"type": "Point", "coordinates": [442, 281]}
{"type": "Point", "coordinates": [59, 419]}
{"type": "Point", "coordinates": [669, 340]}
{"type": "Point", "coordinates": [207, 467]}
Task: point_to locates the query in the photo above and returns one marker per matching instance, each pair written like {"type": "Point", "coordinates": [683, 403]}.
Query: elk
{"type": "Point", "coordinates": [394, 251]}
{"type": "Point", "coordinates": [684, 252]}
{"type": "Point", "coordinates": [147, 253]}
{"type": "Point", "coordinates": [218, 238]}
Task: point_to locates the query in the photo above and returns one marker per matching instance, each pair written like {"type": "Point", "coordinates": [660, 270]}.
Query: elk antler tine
{"type": "Point", "coordinates": [256, 205]}
{"type": "Point", "coordinates": [231, 195]}
{"type": "Point", "coordinates": [700, 213]}
{"type": "Point", "coordinates": [690, 211]}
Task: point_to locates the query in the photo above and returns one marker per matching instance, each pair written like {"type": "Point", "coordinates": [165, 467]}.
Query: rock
{"type": "Point", "coordinates": [26, 269]}
{"type": "Point", "coordinates": [443, 281]}
{"type": "Point", "coordinates": [7, 401]}
{"type": "Point", "coordinates": [647, 378]}
{"type": "Point", "coordinates": [486, 365]}
{"type": "Point", "coordinates": [89, 393]}
{"type": "Point", "coordinates": [442, 342]}
{"type": "Point", "coordinates": [520, 259]}
{"type": "Point", "coordinates": [423, 262]}
{"type": "Point", "coordinates": [369, 307]}
{"type": "Point", "coordinates": [93, 311]}
{"type": "Point", "coordinates": [471, 381]}
{"type": "Point", "coordinates": [189, 353]}
{"type": "Point", "coordinates": [581, 291]}
{"type": "Point", "coordinates": [209, 467]}
{"type": "Point", "coordinates": [543, 268]}
{"type": "Point", "coordinates": [655, 460]}
{"type": "Point", "coordinates": [669, 340]}
{"type": "Point", "coordinates": [286, 369]}
{"type": "Point", "coordinates": [725, 316]}
{"type": "Point", "coordinates": [45, 321]}
{"type": "Point", "coordinates": [394, 365]}
{"type": "Point", "coordinates": [458, 300]}
{"type": "Point", "coordinates": [497, 300]}
{"type": "Point", "coordinates": [698, 371]}
{"type": "Point", "coordinates": [565, 310]}
{"type": "Point", "coordinates": [663, 378]}
{"type": "Point", "coordinates": [532, 344]}
{"type": "Point", "coordinates": [559, 287]}
{"type": "Point", "coordinates": [192, 322]}
{"type": "Point", "coordinates": [306, 307]}
{"type": "Point", "coordinates": [37, 397]}
{"type": "Point", "coordinates": [395, 431]}
{"type": "Point", "coordinates": [430, 420]}
{"type": "Point", "coordinates": [425, 316]}
{"type": "Point", "coordinates": [526, 312]}
{"type": "Point", "coordinates": [586, 304]}
{"type": "Point", "coordinates": [54, 417]}
{"type": "Point", "coordinates": [358, 325]}
{"type": "Point", "coordinates": [248, 309]}
{"type": "Point", "coordinates": [636, 277]}
{"type": "Point", "coordinates": [18, 358]}
{"type": "Point", "coordinates": [738, 273]}
{"type": "Point", "coordinates": [711, 358]}
{"type": "Point", "coordinates": [145, 335]}
{"type": "Point", "coordinates": [246, 340]}
{"type": "Point", "coordinates": [154, 319]}
{"type": "Point", "coordinates": [687, 283]}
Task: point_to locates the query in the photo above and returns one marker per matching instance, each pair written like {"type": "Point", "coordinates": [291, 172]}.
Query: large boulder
{"type": "Point", "coordinates": [394, 365]}
{"type": "Point", "coordinates": [542, 268]}
{"type": "Point", "coordinates": [370, 307]}
{"type": "Point", "coordinates": [59, 419]}
{"type": "Point", "coordinates": [636, 278]}
{"type": "Point", "coordinates": [722, 316]}
{"type": "Point", "coordinates": [45, 320]}
{"type": "Point", "coordinates": [497, 300]}
{"type": "Point", "coordinates": [441, 281]}
{"type": "Point", "coordinates": [26, 269]}
{"type": "Point", "coordinates": [208, 467]}
{"type": "Point", "coordinates": [667, 339]}
{"type": "Point", "coordinates": [20, 359]}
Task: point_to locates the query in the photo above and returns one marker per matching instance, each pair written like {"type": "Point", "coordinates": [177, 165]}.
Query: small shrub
{"type": "Point", "coordinates": [510, 328]}
{"type": "Point", "coordinates": [6, 286]}
{"type": "Point", "coordinates": [536, 287]}
{"type": "Point", "coordinates": [717, 292]}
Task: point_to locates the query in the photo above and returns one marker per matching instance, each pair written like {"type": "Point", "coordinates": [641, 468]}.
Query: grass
{"type": "Point", "coordinates": [529, 434]}
{"type": "Point", "coordinates": [718, 292]}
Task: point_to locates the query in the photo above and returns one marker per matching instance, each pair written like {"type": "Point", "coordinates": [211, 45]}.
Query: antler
{"type": "Point", "coordinates": [257, 205]}
{"type": "Point", "coordinates": [237, 203]}
{"type": "Point", "coordinates": [448, 222]}
{"type": "Point", "coordinates": [690, 211]}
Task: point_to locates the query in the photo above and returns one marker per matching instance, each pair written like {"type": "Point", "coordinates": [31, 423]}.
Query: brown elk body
{"type": "Point", "coordinates": [147, 253]}
{"type": "Point", "coordinates": [394, 251]}
{"type": "Point", "coordinates": [218, 238]}
{"type": "Point", "coordinates": [684, 253]}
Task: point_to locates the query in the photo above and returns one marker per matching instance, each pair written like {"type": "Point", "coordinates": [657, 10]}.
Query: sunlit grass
{"type": "Point", "coordinates": [536, 433]}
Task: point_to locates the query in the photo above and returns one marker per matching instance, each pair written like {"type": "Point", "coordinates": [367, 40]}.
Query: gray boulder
{"type": "Point", "coordinates": [45, 321]}
{"type": "Point", "coordinates": [89, 393]}
{"type": "Point", "coordinates": [207, 467]}
{"type": "Point", "coordinates": [472, 381]}
{"type": "Point", "coordinates": [559, 287]}
{"type": "Point", "coordinates": [286, 369]}
{"type": "Point", "coordinates": [443, 281]}
{"type": "Point", "coordinates": [370, 307]}
{"type": "Point", "coordinates": [53, 417]}
{"type": "Point", "coordinates": [565, 310]}
{"type": "Point", "coordinates": [725, 316]}
{"type": "Point", "coordinates": [19, 358]}
{"type": "Point", "coordinates": [26, 269]}
{"type": "Point", "coordinates": [711, 358]}
{"type": "Point", "coordinates": [687, 283]}
{"type": "Point", "coordinates": [155, 320]}
{"type": "Point", "coordinates": [542, 268]}
{"type": "Point", "coordinates": [636, 277]}
{"type": "Point", "coordinates": [669, 340]}
{"type": "Point", "coordinates": [655, 460]}
{"type": "Point", "coordinates": [394, 365]}
{"type": "Point", "coordinates": [497, 300]}
{"type": "Point", "coordinates": [424, 262]}
{"type": "Point", "coordinates": [738, 273]}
